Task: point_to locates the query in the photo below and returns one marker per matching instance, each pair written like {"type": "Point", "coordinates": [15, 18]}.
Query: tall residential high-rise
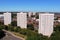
{"type": "Point", "coordinates": [34, 13]}
{"type": "Point", "coordinates": [29, 14]}
{"type": "Point", "coordinates": [46, 24]}
{"type": "Point", "coordinates": [7, 18]}
{"type": "Point", "coordinates": [22, 20]}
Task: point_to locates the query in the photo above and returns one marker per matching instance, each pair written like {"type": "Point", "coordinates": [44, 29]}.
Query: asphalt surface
{"type": "Point", "coordinates": [9, 37]}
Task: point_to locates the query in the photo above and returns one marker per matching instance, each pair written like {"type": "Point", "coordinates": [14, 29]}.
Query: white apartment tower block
{"type": "Point", "coordinates": [46, 24]}
{"type": "Point", "coordinates": [34, 13]}
{"type": "Point", "coordinates": [22, 20]}
{"type": "Point", "coordinates": [29, 14]}
{"type": "Point", "coordinates": [7, 18]}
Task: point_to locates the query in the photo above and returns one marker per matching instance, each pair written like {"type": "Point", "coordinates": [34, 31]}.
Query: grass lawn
{"type": "Point", "coordinates": [20, 35]}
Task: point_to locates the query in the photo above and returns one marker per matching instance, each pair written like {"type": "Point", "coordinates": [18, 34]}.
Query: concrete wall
{"type": "Point", "coordinates": [22, 20]}
{"type": "Point", "coordinates": [34, 13]}
{"type": "Point", "coordinates": [46, 24]}
{"type": "Point", "coordinates": [29, 14]}
{"type": "Point", "coordinates": [7, 18]}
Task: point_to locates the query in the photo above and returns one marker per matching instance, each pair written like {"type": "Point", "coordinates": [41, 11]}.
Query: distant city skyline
{"type": "Point", "coordinates": [30, 5]}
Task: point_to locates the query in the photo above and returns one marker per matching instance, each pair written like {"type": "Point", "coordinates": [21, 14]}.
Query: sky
{"type": "Point", "coordinates": [30, 5]}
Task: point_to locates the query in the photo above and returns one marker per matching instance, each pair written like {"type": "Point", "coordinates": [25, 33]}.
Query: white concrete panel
{"type": "Point", "coordinates": [7, 18]}
{"type": "Point", "coordinates": [22, 20]}
{"type": "Point", "coordinates": [46, 24]}
{"type": "Point", "coordinates": [29, 14]}
{"type": "Point", "coordinates": [34, 13]}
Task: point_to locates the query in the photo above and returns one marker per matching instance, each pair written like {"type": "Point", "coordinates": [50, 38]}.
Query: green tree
{"type": "Point", "coordinates": [30, 26]}
{"type": "Point", "coordinates": [14, 23]}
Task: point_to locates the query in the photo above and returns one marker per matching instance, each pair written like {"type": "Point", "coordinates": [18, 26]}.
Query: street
{"type": "Point", "coordinates": [8, 36]}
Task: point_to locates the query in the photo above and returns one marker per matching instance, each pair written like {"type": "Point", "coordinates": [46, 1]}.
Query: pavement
{"type": "Point", "coordinates": [9, 36]}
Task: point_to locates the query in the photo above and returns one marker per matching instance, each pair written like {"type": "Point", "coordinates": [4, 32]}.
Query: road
{"type": "Point", "coordinates": [8, 36]}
